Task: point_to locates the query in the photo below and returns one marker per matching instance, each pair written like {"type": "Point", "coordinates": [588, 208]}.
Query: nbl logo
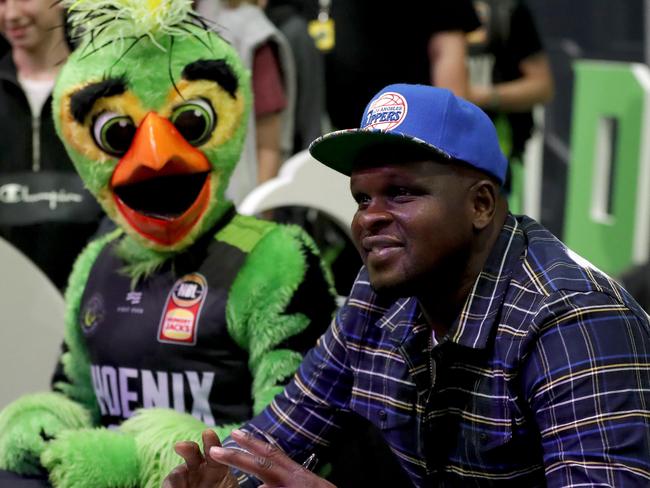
{"type": "Point", "coordinates": [386, 112]}
{"type": "Point", "coordinates": [189, 290]}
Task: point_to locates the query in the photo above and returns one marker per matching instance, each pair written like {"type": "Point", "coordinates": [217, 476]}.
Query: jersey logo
{"type": "Point", "coordinates": [134, 297]}
{"type": "Point", "coordinates": [180, 317]}
{"type": "Point", "coordinates": [386, 112]}
{"type": "Point", "coordinates": [92, 314]}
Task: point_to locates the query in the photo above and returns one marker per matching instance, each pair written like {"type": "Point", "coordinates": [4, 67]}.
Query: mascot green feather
{"type": "Point", "coordinates": [187, 314]}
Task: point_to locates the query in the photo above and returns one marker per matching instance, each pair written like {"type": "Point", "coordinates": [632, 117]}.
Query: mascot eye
{"type": "Point", "coordinates": [195, 120]}
{"type": "Point", "coordinates": [113, 132]}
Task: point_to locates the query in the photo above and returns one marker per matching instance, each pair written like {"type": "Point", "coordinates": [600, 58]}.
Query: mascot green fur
{"type": "Point", "coordinates": [188, 314]}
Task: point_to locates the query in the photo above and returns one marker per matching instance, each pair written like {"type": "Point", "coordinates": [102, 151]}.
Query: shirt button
{"type": "Point", "coordinates": [483, 437]}
{"type": "Point", "coordinates": [382, 415]}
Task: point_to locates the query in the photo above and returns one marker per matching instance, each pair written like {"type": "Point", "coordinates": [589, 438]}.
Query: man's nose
{"type": "Point", "coordinates": [374, 215]}
{"type": "Point", "coordinates": [11, 10]}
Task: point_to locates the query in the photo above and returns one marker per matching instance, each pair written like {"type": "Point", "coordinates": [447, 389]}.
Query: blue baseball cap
{"type": "Point", "coordinates": [405, 116]}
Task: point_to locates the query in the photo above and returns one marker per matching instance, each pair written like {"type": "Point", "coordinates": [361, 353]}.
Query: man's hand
{"type": "Point", "coordinates": [266, 462]}
{"type": "Point", "coordinates": [200, 471]}
{"type": "Point", "coordinates": [262, 460]}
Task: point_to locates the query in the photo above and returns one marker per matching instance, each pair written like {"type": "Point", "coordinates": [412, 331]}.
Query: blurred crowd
{"type": "Point", "coordinates": [313, 63]}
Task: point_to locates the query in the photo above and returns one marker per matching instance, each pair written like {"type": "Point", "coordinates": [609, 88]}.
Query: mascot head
{"type": "Point", "coordinates": [152, 109]}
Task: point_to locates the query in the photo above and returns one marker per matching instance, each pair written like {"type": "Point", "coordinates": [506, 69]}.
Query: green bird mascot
{"type": "Point", "coordinates": [187, 315]}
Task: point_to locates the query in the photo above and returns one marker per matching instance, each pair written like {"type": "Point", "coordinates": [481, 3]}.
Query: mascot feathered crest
{"type": "Point", "coordinates": [120, 19]}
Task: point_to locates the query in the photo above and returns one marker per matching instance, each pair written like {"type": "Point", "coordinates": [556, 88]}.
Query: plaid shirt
{"type": "Point", "coordinates": [543, 380]}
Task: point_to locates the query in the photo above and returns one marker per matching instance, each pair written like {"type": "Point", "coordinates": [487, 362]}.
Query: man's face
{"type": "Point", "coordinates": [29, 24]}
{"type": "Point", "coordinates": [413, 225]}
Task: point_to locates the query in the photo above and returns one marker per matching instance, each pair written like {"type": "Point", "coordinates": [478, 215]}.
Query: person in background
{"type": "Point", "coordinates": [4, 46]}
{"type": "Point", "coordinates": [372, 43]}
{"type": "Point", "coordinates": [509, 75]}
{"type": "Point", "coordinates": [289, 17]}
{"type": "Point", "coordinates": [44, 209]}
{"type": "Point", "coordinates": [266, 53]}
{"type": "Point", "coordinates": [486, 351]}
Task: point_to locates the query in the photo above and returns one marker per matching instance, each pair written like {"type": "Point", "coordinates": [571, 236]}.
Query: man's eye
{"type": "Point", "coordinates": [195, 120]}
{"type": "Point", "coordinates": [113, 132]}
{"type": "Point", "coordinates": [361, 199]}
{"type": "Point", "coordinates": [401, 191]}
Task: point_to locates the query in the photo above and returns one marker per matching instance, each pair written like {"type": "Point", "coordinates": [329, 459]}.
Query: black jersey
{"type": "Point", "coordinates": [165, 342]}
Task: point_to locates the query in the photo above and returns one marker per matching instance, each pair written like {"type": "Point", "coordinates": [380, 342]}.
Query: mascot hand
{"type": "Point", "coordinates": [156, 430]}
{"type": "Point", "coordinates": [97, 458]}
{"type": "Point", "coordinates": [30, 422]}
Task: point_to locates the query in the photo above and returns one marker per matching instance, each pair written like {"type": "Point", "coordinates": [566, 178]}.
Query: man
{"type": "Point", "coordinates": [44, 209]}
{"type": "Point", "coordinates": [288, 17]}
{"type": "Point", "coordinates": [372, 43]}
{"type": "Point", "coordinates": [266, 53]}
{"type": "Point", "coordinates": [509, 75]}
{"type": "Point", "coordinates": [486, 351]}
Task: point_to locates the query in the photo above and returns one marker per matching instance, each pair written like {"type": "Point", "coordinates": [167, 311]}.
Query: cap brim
{"type": "Point", "coordinates": [342, 149]}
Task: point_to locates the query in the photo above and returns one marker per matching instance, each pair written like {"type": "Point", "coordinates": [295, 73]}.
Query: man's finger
{"type": "Point", "coordinates": [263, 449]}
{"type": "Point", "coordinates": [262, 467]}
{"type": "Point", "coordinates": [190, 452]}
{"type": "Point", "coordinates": [211, 439]}
{"type": "Point", "coordinates": [177, 478]}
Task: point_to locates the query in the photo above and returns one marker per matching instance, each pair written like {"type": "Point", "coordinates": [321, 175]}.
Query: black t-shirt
{"type": "Point", "coordinates": [511, 37]}
{"type": "Point", "coordinates": [379, 43]}
{"type": "Point", "coordinates": [523, 41]}
{"type": "Point", "coordinates": [165, 342]}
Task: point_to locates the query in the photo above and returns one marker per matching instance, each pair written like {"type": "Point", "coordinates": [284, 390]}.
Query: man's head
{"type": "Point", "coordinates": [425, 169]}
{"type": "Point", "coordinates": [31, 25]}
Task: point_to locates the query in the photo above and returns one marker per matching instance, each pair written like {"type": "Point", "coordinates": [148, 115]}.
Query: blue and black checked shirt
{"type": "Point", "coordinates": [543, 380]}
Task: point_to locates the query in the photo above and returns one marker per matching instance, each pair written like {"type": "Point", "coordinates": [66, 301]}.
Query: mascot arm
{"type": "Point", "coordinates": [27, 424]}
{"type": "Point", "coordinates": [73, 377]}
{"type": "Point", "coordinates": [154, 432]}
{"type": "Point", "coordinates": [280, 303]}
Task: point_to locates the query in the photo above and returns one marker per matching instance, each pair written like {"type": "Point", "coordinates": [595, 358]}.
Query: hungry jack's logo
{"type": "Point", "coordinates": [180, 318]}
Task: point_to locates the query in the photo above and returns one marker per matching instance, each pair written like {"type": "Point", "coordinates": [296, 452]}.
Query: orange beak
{"type": "Point", "coordinates": [162, 184]}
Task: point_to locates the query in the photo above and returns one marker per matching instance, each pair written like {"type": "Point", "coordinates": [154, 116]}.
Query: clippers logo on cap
{"type": "Point", "coordinates": [386, 112]}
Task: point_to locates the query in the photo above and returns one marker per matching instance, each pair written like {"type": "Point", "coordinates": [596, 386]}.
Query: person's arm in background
{"type": "Point", "coordinates": [269, 153]}
{"type": "Point", "coordinates": [534, 87]}
{"type": "Point", "coordinates": [447, 46]}
{"type": "Point", "coordinates": [447, 51]}
{"type": "Point", "coordinates": [270, 101]}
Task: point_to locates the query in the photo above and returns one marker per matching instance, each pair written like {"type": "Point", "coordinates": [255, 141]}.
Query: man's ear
{"type": "Point", "coordinates": [484, 194]}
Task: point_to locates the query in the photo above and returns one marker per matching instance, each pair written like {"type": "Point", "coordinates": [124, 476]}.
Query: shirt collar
{"type": "Point", "coordinates": [482, 308]}
{"type": "Point", "coordinates": [472, 328]}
